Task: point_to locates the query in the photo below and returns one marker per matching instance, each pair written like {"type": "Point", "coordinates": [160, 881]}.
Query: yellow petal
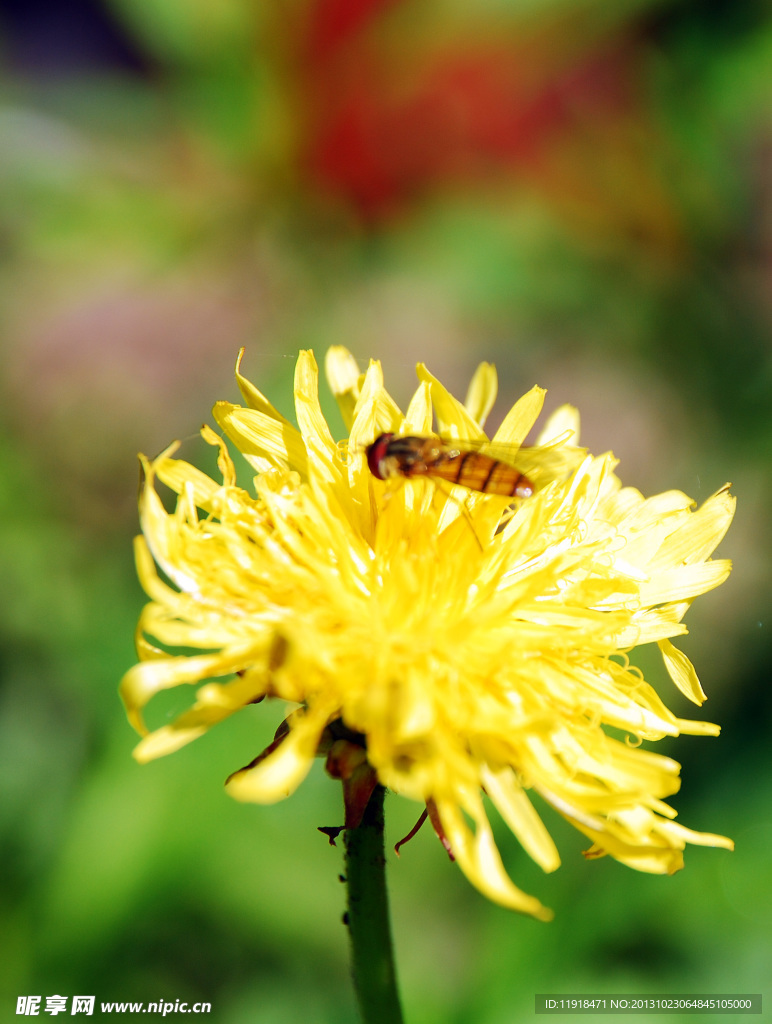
{"type": "Point", "coordinates": [643, 851]}
{"type": "Point", "coordinates": [685, 582]}
{"type": "Point", "coordinates": [143, 681]}
{"type": "Point", "coordinates": [700, 533]}
{"type": "Point", "coordinates": [453, 420]}
{"type": "Point", "coordinates": [264, 442]}
{"type": "Point", "coordinates": [282, 771]}
{"type": "Point", "coordinates": [654, 860]}
{"type": "Point", "coordinates": [691, 728]}
{"type": "Point", "coordinates": [418, 418]}
{"type": "Point", "coordinates": [169, 738]}
{"type": "Point", "coordinates": [376, 411]}
{"type": "Point", "coordinates": [479, 859]}
{"type": "Point", "coordinates": [254, 398]}
{"type": "Point", "coordinates": [564, 422]}
{"type": "Point", "coordinates": [654, 624]}
{"type": "Point", "coordinates": [178, 474]}
{"type": "Point", "coordinates": [681, 834]}
{"type": "Point", "coordinates": [481, 395]}
{"type": "Point", "coordinates": [344, 379]}
{"type": "Point", "coordinates": [520, 418]}
{"type": "Point", "coordinates": [224, 461]}
{"type": "Point", "coordinates": [311, 421]}
{"type": "Point", "coordinates": [323, 452]}
{"type": "Point", "coordinates": [160, 535]}
{"type": "Point", "coordinates": [519, 813]}
{"type": "Point", "coordinates": [681, 671]}
{"type": "Point", "coordinates": [214, 703]}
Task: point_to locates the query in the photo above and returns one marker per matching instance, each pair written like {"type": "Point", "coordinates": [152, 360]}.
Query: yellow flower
{"type": "Point", "coordinates": [471, 646]}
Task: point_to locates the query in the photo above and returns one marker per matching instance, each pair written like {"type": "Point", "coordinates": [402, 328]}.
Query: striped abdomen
{"type": "Point", "coordinates": [390, 456]}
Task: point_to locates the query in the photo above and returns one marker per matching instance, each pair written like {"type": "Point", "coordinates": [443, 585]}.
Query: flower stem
{"type": "Point", "coordinates": [372, 958]}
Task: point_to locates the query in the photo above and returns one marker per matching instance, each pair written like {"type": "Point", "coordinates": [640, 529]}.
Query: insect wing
{"type": "Point", "coordinates": [485, 466]}
{"type": "Point", "coordinates": [540, 463]}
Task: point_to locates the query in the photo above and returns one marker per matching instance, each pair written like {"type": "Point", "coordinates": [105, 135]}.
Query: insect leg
{"type": "Point", "coordinates": [447, 490]}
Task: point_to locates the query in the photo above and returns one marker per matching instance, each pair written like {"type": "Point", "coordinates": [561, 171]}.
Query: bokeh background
{"type": "Point", "coordinates": [577, 190]}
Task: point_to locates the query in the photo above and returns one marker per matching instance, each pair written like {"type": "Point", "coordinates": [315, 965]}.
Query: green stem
{"type": "Point", "coordinates": [372, 959]}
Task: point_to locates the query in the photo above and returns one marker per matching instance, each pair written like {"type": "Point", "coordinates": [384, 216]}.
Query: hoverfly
{"type": "Point", "coordinates": [389, 456]}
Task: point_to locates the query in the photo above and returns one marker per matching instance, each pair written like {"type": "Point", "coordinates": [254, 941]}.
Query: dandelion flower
{"type": "Point", "coordinates": [444, 643]}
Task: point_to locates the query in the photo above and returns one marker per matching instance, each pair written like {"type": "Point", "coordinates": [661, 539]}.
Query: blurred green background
{"type": "Point", "coordinates": [577, 190]}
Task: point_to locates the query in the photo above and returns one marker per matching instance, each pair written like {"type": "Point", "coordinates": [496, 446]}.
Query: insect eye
{"type": "Point", "coordinates": [376, 452]}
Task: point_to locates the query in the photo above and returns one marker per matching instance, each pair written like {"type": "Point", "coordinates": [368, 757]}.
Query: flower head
{"type": "Point", "coordinates": [467, 644]}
